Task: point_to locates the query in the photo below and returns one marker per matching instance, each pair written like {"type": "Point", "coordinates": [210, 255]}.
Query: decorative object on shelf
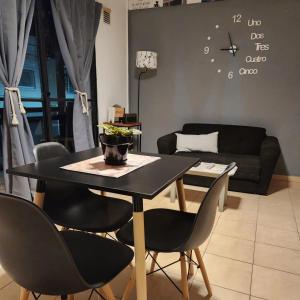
{"type": "Point", "coordinates": [130, 118]}
{"type": "Point", "coordinates": [115, 113]}
{"type": "Point", "coordinates": [115, 142]}
{"type": "Point", "coordinates": [142, 4]}
{"type": "Point", "coordinates": [145, 61]}
{"type": "Point", "coordinates": [194, 1]}
{"type": "Point", "coordinates": [173, 2]}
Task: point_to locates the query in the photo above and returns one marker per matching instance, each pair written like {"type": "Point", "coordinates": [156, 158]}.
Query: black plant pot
{"type": "Point", "coordinates": [115, 148]}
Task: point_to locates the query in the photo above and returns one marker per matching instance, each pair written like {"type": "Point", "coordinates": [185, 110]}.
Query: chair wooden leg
{"type": "Point", "coordinates": [107, 292]}
{"type": "Point", "coordinates": [203, 271]}
{"type": "Point", "coordinates": [130, 285]}
{"type": "Point", "coordinates": [184, 282]}
{"type": "Point", "coordinates": [24, 294]}
{"type": "Point", "coordinates": [155, 255]}
{"type": "Point", "coordinates": [190, 264]}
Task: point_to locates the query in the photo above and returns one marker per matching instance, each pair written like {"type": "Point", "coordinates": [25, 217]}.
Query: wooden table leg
{"type": "Point", "coordinates": [182, 206]}
{"type": "Point", "coordinates": [223, 196]}
{"type": "Point", "coordinates": [39, 194]}
{"type": "Point", "coordinates": [139, 245]}
{"type": "Point", "coordinates": [173, 193]}
{"type": "Point", "coordinates": [181, 194]}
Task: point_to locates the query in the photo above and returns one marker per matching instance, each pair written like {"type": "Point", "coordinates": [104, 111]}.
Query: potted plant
{"type": "Point", "coordinates": [115, 142]}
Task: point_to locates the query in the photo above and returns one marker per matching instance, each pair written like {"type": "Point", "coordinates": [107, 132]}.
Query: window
{"type": "Point", "coordinates": [46, 90]}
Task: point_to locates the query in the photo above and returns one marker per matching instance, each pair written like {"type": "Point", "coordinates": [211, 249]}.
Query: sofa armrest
{"type": "Point", "coordinates": [269, 154]}
{"type": "Point", "coordinates": [167, 143]}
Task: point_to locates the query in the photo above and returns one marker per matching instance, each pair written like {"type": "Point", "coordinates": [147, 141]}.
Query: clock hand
{"type": "Point", "coordinates": [231, 44]}
{"type": "Point", "coordinates": [230, 49]}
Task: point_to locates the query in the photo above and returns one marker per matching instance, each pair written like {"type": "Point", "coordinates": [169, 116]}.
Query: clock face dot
{"type": "Point", "coordinates": [217, 26]}
{"type": "Point", "coordinates": [219, 71]}
{"type": "Point", "coordinates": [209, 38]}
{"type": "Point", "coordinates": [212, 60]}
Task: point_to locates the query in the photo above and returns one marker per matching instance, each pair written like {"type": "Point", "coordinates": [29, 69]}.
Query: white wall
{"type": "Point", "coordinates": [112, 58]}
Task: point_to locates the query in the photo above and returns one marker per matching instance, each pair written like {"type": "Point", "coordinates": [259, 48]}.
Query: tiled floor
{"type": "Point", "coordinates": [253, 252]}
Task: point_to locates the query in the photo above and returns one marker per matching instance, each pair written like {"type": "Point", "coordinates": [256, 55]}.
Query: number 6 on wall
{"type": "Point", "coordinates": [230, 75]}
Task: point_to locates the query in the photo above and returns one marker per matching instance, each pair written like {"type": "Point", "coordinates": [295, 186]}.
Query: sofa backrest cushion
{"type": "Point", "coordinates": [232, 138]}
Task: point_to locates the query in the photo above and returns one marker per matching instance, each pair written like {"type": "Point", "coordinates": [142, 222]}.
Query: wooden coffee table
{"type": "Point", "coordinates": [207, 170]}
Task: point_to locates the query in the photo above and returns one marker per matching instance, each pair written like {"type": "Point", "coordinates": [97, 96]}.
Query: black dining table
{"type": "Point", "coordinates": [143, 183]}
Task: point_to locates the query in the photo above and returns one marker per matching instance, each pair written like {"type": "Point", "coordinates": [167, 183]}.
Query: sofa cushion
{"type": "Point", "coordinates": [249, 166]}
{"type": "Point", "coordinates": [232, 138]}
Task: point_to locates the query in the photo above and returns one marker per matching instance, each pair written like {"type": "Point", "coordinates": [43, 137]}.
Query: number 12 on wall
{"type": "Point", "coordinates": [237, 18]}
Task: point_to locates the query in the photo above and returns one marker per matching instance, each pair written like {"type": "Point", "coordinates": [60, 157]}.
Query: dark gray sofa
{"type": "Point", "coordinates": [255, 153]}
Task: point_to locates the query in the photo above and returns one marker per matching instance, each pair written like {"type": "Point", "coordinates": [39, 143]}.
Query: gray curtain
{"type": "Point", "coordinates": [76, 23]}
{"type": "Point", "coordinates": [15, 22]}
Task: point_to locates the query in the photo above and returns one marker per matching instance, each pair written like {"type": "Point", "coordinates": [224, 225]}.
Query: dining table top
{"type": "Point", "coordinates": [145, 182]}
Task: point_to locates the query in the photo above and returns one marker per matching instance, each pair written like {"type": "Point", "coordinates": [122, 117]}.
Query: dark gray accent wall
{"type": "Point", "coordinates": [187, 86]}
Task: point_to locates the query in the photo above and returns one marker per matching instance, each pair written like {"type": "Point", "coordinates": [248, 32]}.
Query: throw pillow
{"type": "Point", "coordinates": [199, 142]}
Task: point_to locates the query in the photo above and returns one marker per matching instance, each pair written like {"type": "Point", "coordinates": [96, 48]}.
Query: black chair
{"type": "Point", "coordinates": [168, 231]}
{"type": "Point", "coordinates": [74, 206]}
{"type": "Point", "coordinates": [44, 261]}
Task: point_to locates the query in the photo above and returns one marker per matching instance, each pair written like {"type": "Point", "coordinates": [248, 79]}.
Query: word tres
{"type": "Point", "coordinates": [262, 47]}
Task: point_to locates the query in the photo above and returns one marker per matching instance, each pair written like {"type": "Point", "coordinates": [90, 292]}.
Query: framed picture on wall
{"type": "Point", "coordinates": [173, 2]}
{"type": "Point", "coordinates": [193, 1]}
{"type": "Point", "coordinates": [143, 4]}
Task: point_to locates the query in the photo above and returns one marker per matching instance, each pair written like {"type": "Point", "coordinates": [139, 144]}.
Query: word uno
{"type": "Point", "coordinates": [257, 36]}
{"type": "Point", "coordinates": [244, 71]}
{"type": "Point", "coordinates": [252, 23]}
{"type": "Point", "coordinates": [257, 59]}
{"type": "Point", "coordinates": [262, 47]}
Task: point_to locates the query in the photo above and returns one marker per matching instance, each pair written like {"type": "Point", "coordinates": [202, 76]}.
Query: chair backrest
{"type": "Point", "coordinates": [49, 150]}
{"type": "Point", "coordinates": [206, 214]}
{"type": "Point", "coordinates": [32, 251]}
{"type": "Point", "coordinates": [54, 188]}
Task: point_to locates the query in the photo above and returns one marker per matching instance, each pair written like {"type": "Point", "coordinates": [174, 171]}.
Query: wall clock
{"type": "Point", "coordinates": [239, 49]}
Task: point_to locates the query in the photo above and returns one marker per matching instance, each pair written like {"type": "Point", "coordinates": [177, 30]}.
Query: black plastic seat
{"type": "Point", "coordinates": [76, 207]}
{"type": "Point", "coordinates": [43, 260]}
{"type": "Point", "coordinates": [111, 256]}
{"type": "Point", "coordinates": [175, 231]}
{"type": "Point", "coordinates": [165, 230]}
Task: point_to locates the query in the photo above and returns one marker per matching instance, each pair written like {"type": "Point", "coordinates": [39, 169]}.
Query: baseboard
{"type": "Point", "coordinates": [286, 178]}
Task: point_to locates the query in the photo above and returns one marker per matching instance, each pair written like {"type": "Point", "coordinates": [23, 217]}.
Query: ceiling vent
{"type": "Point", "coordinates": [106, 15]}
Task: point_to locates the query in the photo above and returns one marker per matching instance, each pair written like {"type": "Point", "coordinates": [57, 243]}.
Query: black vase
{"type": "Point", "coordinates": [115, 148]}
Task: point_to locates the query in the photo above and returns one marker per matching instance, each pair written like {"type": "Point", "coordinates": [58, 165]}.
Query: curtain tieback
{"type": "Point", "coordinates": [11, 90]}
{"type": "Point", "coordinates": [84, 102]}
